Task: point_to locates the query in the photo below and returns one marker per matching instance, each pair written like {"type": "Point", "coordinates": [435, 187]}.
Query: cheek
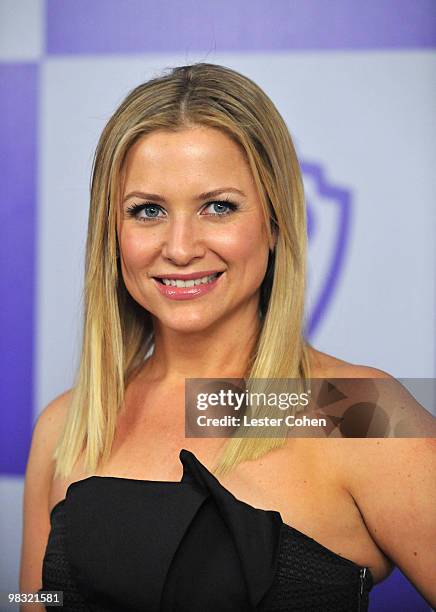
{"type": "Point", "coordinates": [245, 249]}
{"type": "Point", "coordinates": [136, 250]}
{"type": "Point", "coordinates": [245, 243]}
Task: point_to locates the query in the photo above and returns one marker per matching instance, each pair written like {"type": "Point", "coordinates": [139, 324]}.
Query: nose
{"type": "Point", "coordinates": [182, 241]}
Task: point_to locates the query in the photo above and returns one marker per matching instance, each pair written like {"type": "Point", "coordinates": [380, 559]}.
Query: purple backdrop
{"type": "Point", "coordinates": [18, 125]}
{"type": "Point", "coordinates": [80, 26]}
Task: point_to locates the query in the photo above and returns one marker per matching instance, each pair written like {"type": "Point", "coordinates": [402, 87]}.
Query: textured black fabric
{"type": "Point", "coordinates": [120, 544]}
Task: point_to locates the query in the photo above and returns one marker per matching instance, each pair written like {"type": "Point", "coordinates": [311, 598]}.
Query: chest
{"type": "Point", "coordinates": [298, 480]}
{"type": "Point", "coordinates": [303, 480]}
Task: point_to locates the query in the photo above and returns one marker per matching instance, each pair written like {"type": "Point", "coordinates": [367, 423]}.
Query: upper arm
{"type": "Point", "coordinates": [39, 472]}
{"type": "Point", "coordinates": [393, 484]}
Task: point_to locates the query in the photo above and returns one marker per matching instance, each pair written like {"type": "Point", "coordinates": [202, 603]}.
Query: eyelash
{"type": "Point", "coordinates": [135, 209]}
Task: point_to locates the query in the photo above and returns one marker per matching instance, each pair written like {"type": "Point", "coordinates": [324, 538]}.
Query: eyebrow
{"type": "Point", "coordinates": [202, 196]}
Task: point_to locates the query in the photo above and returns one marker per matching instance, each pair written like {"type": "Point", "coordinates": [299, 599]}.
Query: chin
{"type": "Point", "coordinates": [190, 324]}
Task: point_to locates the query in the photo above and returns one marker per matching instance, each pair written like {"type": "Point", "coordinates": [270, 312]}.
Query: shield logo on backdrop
{"type": "Point", "coordinates": [328, 226]}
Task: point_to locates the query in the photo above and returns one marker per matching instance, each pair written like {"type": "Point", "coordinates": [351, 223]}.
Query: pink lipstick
{"type": "Point", "coordinates": [183, 286]}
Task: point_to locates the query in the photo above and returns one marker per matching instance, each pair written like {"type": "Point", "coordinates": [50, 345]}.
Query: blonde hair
{"type": "Point", "coordinates": [117, 332]}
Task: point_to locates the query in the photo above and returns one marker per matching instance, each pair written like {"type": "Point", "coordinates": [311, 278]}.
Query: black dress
{"type": "Point", "coordinates": [191, 546]}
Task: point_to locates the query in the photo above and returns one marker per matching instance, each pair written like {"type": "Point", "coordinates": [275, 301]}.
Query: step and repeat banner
{"type": "Point", "coordinates": [356, 84]}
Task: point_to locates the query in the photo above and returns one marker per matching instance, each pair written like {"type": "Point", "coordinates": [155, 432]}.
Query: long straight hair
{"type": "Point", "coordinates": [117, 331]}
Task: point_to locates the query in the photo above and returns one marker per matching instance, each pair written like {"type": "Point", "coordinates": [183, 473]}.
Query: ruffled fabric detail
{"type": "Point", "coordinates": [255, 532]}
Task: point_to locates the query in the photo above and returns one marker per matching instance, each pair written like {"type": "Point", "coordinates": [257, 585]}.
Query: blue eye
{"type": "Point", "coordinates": [222, 207]}
{"type": "Point", "coordinates": [151, 211]}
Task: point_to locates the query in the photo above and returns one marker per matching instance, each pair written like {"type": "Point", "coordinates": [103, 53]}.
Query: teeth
{"type": "Point", "coordinates": [189, 283]}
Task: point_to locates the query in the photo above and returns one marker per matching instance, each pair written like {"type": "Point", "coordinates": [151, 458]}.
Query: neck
{"type": "Point", "coordinates": [221, 351]}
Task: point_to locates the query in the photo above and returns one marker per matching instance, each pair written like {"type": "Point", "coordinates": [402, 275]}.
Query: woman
{"type": "Point", "coordinates": [195, 268]}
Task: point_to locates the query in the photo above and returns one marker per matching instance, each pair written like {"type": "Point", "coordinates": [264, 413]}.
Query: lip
{"type": "Point", "coordinates": [185, 277]}
{"type": "Point", "coordinates": [186, 293]}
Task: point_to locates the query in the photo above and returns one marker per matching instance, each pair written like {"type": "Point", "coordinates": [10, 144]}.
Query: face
{"type": "Point", "coordinates": [190, 257]}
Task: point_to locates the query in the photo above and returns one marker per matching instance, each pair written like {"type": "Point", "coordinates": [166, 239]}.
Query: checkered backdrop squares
{"type": "Point", "coordinates": [21, 30]}
{"type": "Point", "coordinates": [356, 84]}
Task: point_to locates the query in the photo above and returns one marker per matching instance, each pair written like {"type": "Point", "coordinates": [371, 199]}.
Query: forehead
{"type": "Point", "coordinates": [189, 154]}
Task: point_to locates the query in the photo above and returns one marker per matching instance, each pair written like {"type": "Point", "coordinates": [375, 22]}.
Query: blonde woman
{"type": "Point", "coordinates": [195, 268]}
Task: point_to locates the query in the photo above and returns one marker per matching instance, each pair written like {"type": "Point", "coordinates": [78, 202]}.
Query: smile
{"type": "Point", "coordinates": [177, 289]}
{"type": "Point", "coordinates": [189, 283]}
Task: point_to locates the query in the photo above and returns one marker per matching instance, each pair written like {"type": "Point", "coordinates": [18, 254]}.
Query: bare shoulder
{"type": "Point", "coordinates": [325, 365]}
{"type": "Point", "coordinates": [46, 432]}
{"type": "Point", "coordinates": [52, 418]}
{"type": "Point", "coordinates": [37, 482]}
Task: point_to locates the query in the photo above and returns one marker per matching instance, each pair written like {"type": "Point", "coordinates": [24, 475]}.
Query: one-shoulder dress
{"type": "Point", "coordinates": [118, 544]}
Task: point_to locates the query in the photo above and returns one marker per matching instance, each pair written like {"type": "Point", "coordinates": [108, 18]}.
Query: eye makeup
{"type": "Point", "coordinates": [133, 210]}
